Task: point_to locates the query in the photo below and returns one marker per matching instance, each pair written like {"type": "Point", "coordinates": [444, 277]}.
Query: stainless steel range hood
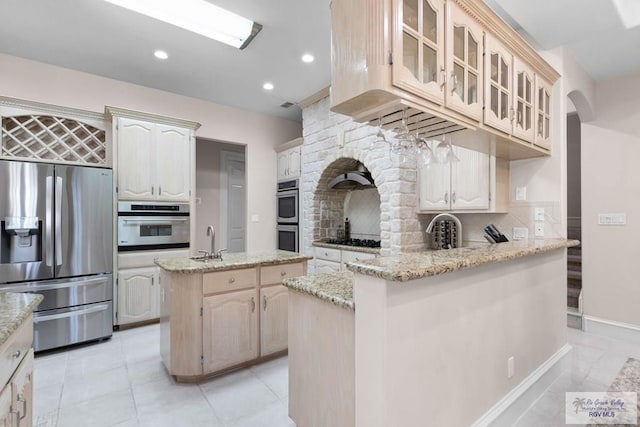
{"type": "Point", "coordinates": [359, 179]}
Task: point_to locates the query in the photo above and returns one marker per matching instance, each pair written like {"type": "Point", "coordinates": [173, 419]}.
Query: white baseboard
{"type": "Point", "coordinates": [511, 407]}
{"type": "Point", "coordinates": [611, 328]}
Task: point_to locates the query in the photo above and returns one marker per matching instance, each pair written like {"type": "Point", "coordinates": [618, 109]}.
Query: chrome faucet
{"type": "Point", "coordinates": [211, 232]}
{"type": "Point", "coordinates": [449, 216]}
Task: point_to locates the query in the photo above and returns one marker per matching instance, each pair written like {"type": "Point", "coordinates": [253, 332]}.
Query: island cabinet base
{"type": "Point", "coordinates": [321, 362]}
{"type": "Point", "coordinates": [212, 322]}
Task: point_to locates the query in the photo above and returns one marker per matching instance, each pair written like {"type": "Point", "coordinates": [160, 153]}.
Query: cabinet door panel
{"type": "Point", "coordinates": [22, 392]}
{"type": "Point", "coordinates": [543, 114]}
{"type": "Point", "coordinates": [523, 101]}
{"type": "Point", "coordinates": [173, 160]}
{"type": "Point", "coordinates": [470, 180]}
{"type": "Point", "coordinates": [323, 266]}
{"type": "Point", "coordinates": [294, 163]}
{"type": "Point", "coordinates": [136, 169]}
{"type": "Point", "coordinates": [418, 47]}
{"type": "Point", "coordinates": [464, 63]}
{"type": "Point", "coordinates": [273, 319]}
{"type": "Point", "coordinates": [137, 295]}
{"type": "Point", "coordinates": [498, 83]}
{"type": "Point", "coordinates": [5, 407]}
{"type": "Point", "coordinates": [230, 329]}
{"type": "Point", "coordinates": [283, 165]}
{"type": "Point", "coordinates": [435, 186]}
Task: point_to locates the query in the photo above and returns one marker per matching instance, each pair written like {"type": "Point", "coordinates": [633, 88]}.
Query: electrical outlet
{"type": "Point", "coordinates": [539, 229]}
{"type": "Point", "coordinates": [612, 219]}
{"type": "Point", "coordinates": [511, 368]}
{"type": "Point", "coordinates": [539, 214]}
{"type": "Point", "coordinates": [520, 233]}
{"type": "Point", "coordinates": [521, 193]}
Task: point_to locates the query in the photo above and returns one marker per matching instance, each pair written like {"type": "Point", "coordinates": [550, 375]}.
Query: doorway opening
{"type": "Point", "coordinates": [221, 195]}
{"type": "Point", "coordinates": [574, 218]}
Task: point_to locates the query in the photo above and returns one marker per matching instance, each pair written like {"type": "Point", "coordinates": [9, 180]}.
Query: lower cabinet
{"type": "Point", "coordinates": [138, 294]}
{"type": "Point", "coordinates": [273, 319]}
{"type": "Point", "coordinates": [323, 266]}
{"type": "Point", "coordinates": [16, 377]}
{"type": "Point", "coordinates": [230, 329]}
{"type": "Point", "coordinates": [335, 260]}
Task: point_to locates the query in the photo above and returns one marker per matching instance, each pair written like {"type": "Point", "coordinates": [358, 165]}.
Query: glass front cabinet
{"type": "Point", "coordinates": [523, 99]}
{"type": "Point", "coordinates": [498, 111]}
{"type": "Point", "coordinates": [543, 114]}
{"type": "Point", "coordinates": [418, 47]}
{"type": "Point", "coordinates": [464, 63]}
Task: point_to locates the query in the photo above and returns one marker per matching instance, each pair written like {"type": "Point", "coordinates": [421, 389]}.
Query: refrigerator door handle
{"type": "Point", "coordinates": [39, 319]}
{"type": "Point", "coordinates": [48, 231]}
{"type": "Point", "coordinates": [58, 219]}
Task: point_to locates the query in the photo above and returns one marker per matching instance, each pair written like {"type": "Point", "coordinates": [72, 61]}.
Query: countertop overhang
{"type": "Point", "coordinates": [363, 249]}
{"type": "Point", "coordinates": [15, 308]}
{"type": "Point", "coordinates": [233, 261]}
{"type": "Point", "coordinates": [411, 266]}
{"type": "Point", "coordinates": [336, 288]}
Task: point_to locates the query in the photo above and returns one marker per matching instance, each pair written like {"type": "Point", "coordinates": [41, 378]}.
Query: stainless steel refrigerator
{"type": "Point", "coordinates": [56, 240]}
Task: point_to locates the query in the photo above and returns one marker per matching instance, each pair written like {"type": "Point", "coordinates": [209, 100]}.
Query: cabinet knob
{"type": "Point", "coordinates": [326, 254]}
{"type": "Point", "coordinates": [283, 273]}
{"type": "Point", "coordinates": [16, 354]}
{"type": "Point", "coordinates": [232, 280]}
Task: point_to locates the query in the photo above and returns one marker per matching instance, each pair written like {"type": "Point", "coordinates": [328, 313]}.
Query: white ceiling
{"type": "Point", "coordinates": [100, 38]}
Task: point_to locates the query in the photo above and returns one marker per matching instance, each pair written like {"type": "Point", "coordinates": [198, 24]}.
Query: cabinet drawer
{"type": "Point", "coordinates": [327, 254]}
{"type": "Point", "coordinates": [348, 256]}
{"type": "Point", "coordinates": [14, 349]}
{"type": "Point", "coordinates": [323, 266]}
{"type": "Point", "coordinates": [231, 280]}
{"type": "Point", "coordinates": [274, 274]}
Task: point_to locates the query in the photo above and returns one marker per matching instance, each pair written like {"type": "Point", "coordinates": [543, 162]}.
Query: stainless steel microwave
{"type": "Point", "coordinates": [151, 226]}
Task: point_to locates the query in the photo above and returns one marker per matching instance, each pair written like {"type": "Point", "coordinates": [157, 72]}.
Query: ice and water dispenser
{"type": "Point", "coordinates": [20, 240]}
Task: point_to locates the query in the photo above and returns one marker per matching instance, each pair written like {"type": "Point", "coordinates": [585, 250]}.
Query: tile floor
{"type": "Point", "coordinates": [121, 382]}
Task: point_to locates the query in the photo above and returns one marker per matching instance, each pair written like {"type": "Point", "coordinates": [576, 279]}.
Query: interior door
{"type": "Point", "coordinates": [83, 221]}
{"type": "Point", "coordinates": [26, 225]}
{"type": "Point", "coordinates": [236, 205]}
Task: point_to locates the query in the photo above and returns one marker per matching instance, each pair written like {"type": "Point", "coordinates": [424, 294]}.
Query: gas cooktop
{"type": "Point", "coordinates": [365, 243]}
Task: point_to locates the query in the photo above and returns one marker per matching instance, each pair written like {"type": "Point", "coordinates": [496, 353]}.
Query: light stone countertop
{"type": "Point", "coordinates": [14, 310]}
{"type": "Point", "coordinates": [232, 261]}
{"type": "Point", "coordinates": [415, 265]}
{"type": "Point", "coordinates": [321, 244]}
{"type": "Point", "coordinates": [336, 288]}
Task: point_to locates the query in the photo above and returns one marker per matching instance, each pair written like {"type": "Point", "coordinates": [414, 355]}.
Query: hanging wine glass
{"type": "Point", "coordinates": [424, 151]}
{"type": "Point", "coordinates": [380, 135]}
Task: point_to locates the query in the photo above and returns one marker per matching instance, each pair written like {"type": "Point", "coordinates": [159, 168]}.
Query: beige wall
{"type": "Point", "coordinates": [611, 184]}
{"type": "Point", "coordinates": [34, 81]}
{"type": "Point", "coordinates": [209, 192]}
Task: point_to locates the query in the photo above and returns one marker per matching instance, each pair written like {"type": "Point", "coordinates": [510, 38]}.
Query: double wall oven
{"type": "Point", "coordinates": [287, 215]}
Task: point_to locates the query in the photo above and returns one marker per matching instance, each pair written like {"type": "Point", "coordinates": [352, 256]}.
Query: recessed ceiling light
{"type": "Point", "coordinates": [198, 16]}
{"type": "Point", "coordinates": [267, 86]}
{"type": "Point", "coordinates": [160, 54]}
{"type": "Point", "coordinates": [307, 57]}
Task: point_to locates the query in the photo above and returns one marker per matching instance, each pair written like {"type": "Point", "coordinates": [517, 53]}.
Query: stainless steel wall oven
{"type": "Point", "coordinates": [152, 226]}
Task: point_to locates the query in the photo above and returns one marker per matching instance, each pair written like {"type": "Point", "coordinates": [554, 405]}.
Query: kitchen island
{"type": "Point", "coordinates": [217, 315]}
{"type": "Point", "coordinates": [431, 338]}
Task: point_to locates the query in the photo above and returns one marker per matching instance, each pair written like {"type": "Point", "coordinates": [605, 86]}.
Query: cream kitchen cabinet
{"type": "Point", "coordinates": [330, 260]}
{"type": "Point", "coordinates": [138, 293]}
{"type": "Point", "coordinates": [464, 63]}
{"type": "Point", "coordinates": [543, 114]}
{"type": "Point", "coordinates": [418, 48]}
{"type": "Point", "coordinates": [523, 101]}
{"type": "Point", "coordinates": [462, 185]}
{"type": "Point", "coordinates": [273, 319]}
{"type": "Point", "coordinates": [230, 329]}
{"type": "Point", "coordinates": [155, 156]}
{"type": "Point", "coordinates": [289, 164]}
{"type": "Point", "coordinates": [5, 407]}
{"type": "Point", "coordinates": [433, 61]}
{"type": "Point", "coordinates": [22, 392]}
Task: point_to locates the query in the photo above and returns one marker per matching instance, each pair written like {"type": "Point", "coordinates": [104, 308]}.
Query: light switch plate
{"type": "Point", "coordinates": [539, 229]}
{"type": "Point", "coordinates": [521, 193]}
{"type": "Point", "coordinates": [612, 219]}
{"type": "Point", "coordinates": [520, 233]}
{"type": "Point", "coordinates": [539, 214]}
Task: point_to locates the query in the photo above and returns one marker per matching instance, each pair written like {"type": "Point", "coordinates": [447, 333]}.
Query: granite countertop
{"type": "Point", "coordinates": [230, 262]}
{"type": "Point", "coordinates": [321, 244]}
{"type": "Point", "coordinates": [410, 266]}
{"type": "Point", "coordinates": [336, 288]}
{"type": "Point", "coordinates": [14, 309]}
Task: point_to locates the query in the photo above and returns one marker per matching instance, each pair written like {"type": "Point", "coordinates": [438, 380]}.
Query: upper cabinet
{"type": "Point", "coordinates": [464, 63]}
{"type": "Point", "coordinates": [449, 64]}
{"type": "Point", "coordinates": [289, 160]}
{"type": "Point", "coordinates": [155, 157]}
{"type": "Point", "coordinates": [418, 47]}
